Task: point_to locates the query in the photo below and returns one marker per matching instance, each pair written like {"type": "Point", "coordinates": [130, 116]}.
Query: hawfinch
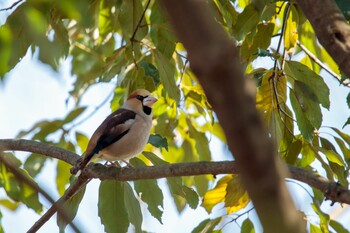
{"type": "Point", "coordinates": [124, 133]}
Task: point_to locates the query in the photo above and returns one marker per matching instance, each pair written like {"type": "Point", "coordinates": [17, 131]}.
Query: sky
{"type": "Point", "coordinates": [32, 92]}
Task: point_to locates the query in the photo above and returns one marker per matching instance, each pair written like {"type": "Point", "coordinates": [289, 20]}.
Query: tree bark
{"type": "Point", "coordinates": [331, 28]}
{"type": "Point", "coordinates": [215, 61]}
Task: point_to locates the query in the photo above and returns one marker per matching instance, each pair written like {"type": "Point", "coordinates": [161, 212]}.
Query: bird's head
{"type": "Point", "coordinates": [141, 100]}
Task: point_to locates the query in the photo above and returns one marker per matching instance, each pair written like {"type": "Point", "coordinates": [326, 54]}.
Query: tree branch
{"type": "Point", "coordinates": [99, 171]}
{"type": "Point", "coordinates": [36, 187]}
{"type": "Point", "coordinates": [215, 61]}
{"type": "Point", "coordinates": [331, 28]}
{"type": "Point", "coordinates": [323, 66]}
{"type": "Point", "coordinates": [70, 192]}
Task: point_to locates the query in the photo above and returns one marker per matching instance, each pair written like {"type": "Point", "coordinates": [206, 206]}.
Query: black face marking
{"type": "Point", "coordinates": [147, 110]}
{"type": "Point", "coordinates": [141, 98]}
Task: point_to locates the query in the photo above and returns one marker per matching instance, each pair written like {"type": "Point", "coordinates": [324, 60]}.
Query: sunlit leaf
{"type": "Point", "coordinates": [166, 70]}
{"type": "Point", "coordinates": [324, 218]}
{"type": "Point", "coordinates": [62, 176]}
{"type": "Point", "coordinates": [291, 33]}
{"type": "Point", "coordinates": [216, 195]}
{"type": "Point", "coordinates": [9, 204]}
{"type": "Point", "coordinates": [236, 196]}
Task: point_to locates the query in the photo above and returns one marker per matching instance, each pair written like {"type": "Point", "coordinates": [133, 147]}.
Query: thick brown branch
{"type": "Point", "coordinates": [215, 61]}
{"type": "Point", "coordinates": [331, 28]}
{"type": "Point", "coordinates": [38, 148]}
{"type": "Point", "coordinates": [331, 190]}
{"type": "Point", "coordinates": [99, 171]}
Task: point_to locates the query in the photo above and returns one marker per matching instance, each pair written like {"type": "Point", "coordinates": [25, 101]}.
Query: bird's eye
{"type": "Point", "coordinates": [140, 97]}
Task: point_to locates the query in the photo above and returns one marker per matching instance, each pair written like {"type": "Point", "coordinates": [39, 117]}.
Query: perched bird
{"type": "Point", "coordinates": [124, 133]}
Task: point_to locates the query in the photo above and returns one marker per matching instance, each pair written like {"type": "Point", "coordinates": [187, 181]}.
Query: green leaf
{"type": "Point", "coordinates": [207, 226]}
{"type": "Point", "coordinates": [201, 142]}
{"type": "Point", "coordinates": [315, 229]}
{"type": "Point", "coordinates": [154, 158]}
{"type": "Point", "coordinates": [190, 195]}
{"type": "Point", "coordinates": [348, 100]}
{"type": "Point", "coordinates": [129, 15]}
{"type": "Point", "coordinates": [166, 69]}
{"type": "Point", "coordinates": [152, 195]}
{"type": "Point", "coordinates": [293, 152]}
{"type": "Point", "coordinates": [71, 208]}
{"type": "Point", "coordinates": [305, 127]}
{"type": "Point", "coordinates": [9, 204]}
{"type": "Point", "coordinates": [132, 207]}
{"type": "Point", "coordinates": [82, 140]}
{"type": "Point", "coordinates": [332, 156]}
{"type": "Point", "coordinates": [308, 103]}
{"type": "Point", "coordinates": [344, 136]}
{"type": "Point", "coordinates": [73, 114]}
{"type": "Point", "coordinates": [339, 228]}
{"type": "Point", "coordinates": [246, 22]}
{"type": "Point", "coordinates": [324, 218]}
{"type": "Point", "coordinates": [63, 176]}
{"type": "Point", "coordinates": [344, 149]}
{"type": "Point", "coordinates": [34, 163]}
{"type": "Point", "coordinates": [151, 71]}
{"type": "Point", "coordinates": [16, 188]}
{"type": "Point", "coordinates": [111, 206]}
{"type": "Point", "coordinates": [247, 226]}
{"type": "Point", "coordinates": [158, 141]}
{"type": "Point", "coordinates": [315, 83]}
{"type": "Point", "coordinates": [347, 122]}
{"type": "Point", "coordinates": [162, 33]}
{"type": "Point", "coordinates": [344, 7]}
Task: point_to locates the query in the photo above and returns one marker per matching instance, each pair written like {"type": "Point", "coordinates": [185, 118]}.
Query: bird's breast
{"type": "Point", "coordinates": [132, 143]}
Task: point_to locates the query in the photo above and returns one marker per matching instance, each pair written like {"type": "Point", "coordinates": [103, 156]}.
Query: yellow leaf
{"type": "Point", "coordinates": [237, 197]}
{"type": "Point", "coordinates": [216, 195]}
{"type": "Point", "coordinates": [291, 33]}
{"type": "Point", "coordinates": [229, 190]}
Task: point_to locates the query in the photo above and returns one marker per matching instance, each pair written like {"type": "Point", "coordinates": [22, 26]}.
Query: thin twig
{"type": "Point", "coordinates": [37, 188]}
{"type": "Point", "coordinates": [132, 39]}
{"type": "Point", "coordinates": [12, 6]}
{"type": "Point", "coordinates": [320, 63]}
{"type": "Point", "coordinates": [93, 111]}
{"type": "Point", "coordinates": [70, 192]}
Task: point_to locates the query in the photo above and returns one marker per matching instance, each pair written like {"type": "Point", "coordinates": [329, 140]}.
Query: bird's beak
{"type": "Point", "coordinates": [149, 101]}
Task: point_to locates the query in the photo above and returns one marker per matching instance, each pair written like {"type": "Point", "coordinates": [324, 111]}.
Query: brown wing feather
{"type": "Point", "coordinates": [111, 130]}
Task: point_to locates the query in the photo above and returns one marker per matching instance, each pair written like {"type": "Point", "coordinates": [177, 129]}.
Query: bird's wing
{"type": "Point", "coordinates": [112, 129]}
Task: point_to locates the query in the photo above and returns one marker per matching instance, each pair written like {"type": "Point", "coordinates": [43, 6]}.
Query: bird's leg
{"type": "Point", "coordinates": [129, 165]}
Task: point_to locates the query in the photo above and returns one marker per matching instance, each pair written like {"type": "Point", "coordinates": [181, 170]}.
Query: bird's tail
{"type": "Point", "coordinates": [81, 164]}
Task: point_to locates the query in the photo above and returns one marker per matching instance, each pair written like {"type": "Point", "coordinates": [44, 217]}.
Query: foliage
{"type": "Point", "coordinates": [132, 44]}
